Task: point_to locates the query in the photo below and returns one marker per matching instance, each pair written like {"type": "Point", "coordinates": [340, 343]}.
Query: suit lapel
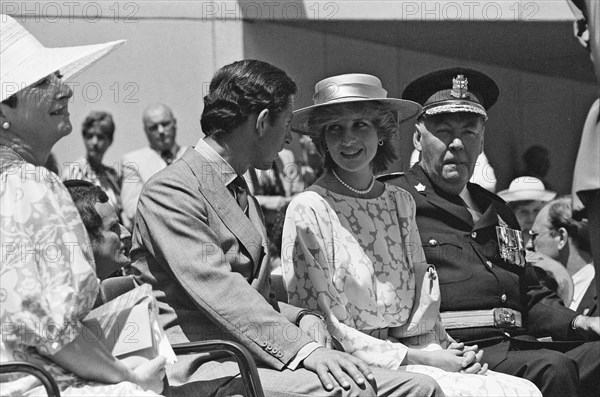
{"type": "Point", "coordinates": [421, 183]}
{"type": "Point", "coordinates": [257, 219]}
{"type": "Point", "coordinates": [224, 204]}
{"type": "Point", "coordinates": [490, 214]}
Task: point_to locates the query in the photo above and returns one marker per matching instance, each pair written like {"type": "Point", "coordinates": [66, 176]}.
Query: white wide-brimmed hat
{"type": "Point", "coordinates": [526, 188]}
{"type": "Point", "coordinates": [353, 87]}
{"type": "Point", "coordinates": [24, 60]}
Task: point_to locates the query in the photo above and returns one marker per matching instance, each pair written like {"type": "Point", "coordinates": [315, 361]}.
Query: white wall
{"type": "Point", "coordinates": [170, 61]}
{"type": "Point", "coordinates": [173, 50]}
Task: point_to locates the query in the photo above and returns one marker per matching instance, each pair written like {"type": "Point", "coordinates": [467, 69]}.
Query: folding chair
{"type": "Point", "coordinates": [113, 287]}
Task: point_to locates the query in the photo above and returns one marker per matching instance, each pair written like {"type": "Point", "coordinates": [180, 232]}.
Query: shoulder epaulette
{"type": "Point", "coordinates": [387, 177]}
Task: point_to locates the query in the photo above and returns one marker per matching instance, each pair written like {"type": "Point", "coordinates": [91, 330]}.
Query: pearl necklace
{"type": "Point", "coordinates": [357, 191]}
{"type": "Point", "coordinates": [15, 152]}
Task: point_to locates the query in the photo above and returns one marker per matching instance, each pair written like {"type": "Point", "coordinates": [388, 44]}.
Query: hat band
{"type": "Point", "coordinates": [454, 106]}
{"type": "Point", "coordinates": [333, 92]}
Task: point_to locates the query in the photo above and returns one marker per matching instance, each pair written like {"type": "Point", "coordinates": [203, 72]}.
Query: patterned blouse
{"type": "Point", "coordinates": [353, 260]}
{"type": "Point", "coordinates": [47, 273]}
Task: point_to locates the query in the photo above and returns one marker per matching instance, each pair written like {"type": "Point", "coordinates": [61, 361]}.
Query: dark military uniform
{"type": "Point", "coordinates": [473, 276]}
{"type": "Point", "coordinates": [589, 303]}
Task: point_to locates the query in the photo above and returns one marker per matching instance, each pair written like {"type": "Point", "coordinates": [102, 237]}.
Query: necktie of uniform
{"type": "Point", "coordinates": [239, 188]}
{"type": "Point", "coordinates": [167, 156]}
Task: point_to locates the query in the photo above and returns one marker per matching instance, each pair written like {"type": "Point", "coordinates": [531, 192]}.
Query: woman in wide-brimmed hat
{"type": "Point", "coordinates": [526, 196]}
{"type": "Point", "coordinates": [47, 274]}
{"type": "Point", "coordinates": [351, 249]}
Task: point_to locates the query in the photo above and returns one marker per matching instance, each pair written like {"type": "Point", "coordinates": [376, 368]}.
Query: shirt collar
{"type": "Point", "coordinates": [223, 169]}
{"type": "Point", "coordinates": [585, 273]}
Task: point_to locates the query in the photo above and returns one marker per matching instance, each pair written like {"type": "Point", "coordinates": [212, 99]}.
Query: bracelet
{"type": "Point", "coordinates": [306, 312]}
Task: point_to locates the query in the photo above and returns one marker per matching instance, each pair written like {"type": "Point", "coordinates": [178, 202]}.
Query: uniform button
{"type": "Point", "coordinates": [503, 298]}
{"type": "Point", "coordinates": [474, 234]}
{"type": "Point", "coordinates": [269, 347]}
{"type": "Point", "coordinates": [433, 242]}
{"type": "Point", "coordinates": [489, 264]}
{"type": "Point", "coordinates": [263, 344]}
{"type": "Point", "coordinates": [279, 354]}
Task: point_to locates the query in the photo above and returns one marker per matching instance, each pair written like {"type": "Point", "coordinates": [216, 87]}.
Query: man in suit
{"type": "Point", "coordinates": [160, 127]}
{"type": "Point", "coordinates": [490, 294]}
{"type": "Point", "coordinates": [566, 240]}
{"type": "Point", "coordinates": [199, 239]}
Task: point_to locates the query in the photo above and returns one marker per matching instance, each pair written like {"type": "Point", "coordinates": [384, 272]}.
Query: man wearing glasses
{"type": "Point", "coordinates": [556, 234]}
{"type": "Point", "coordinates": [138, 166]}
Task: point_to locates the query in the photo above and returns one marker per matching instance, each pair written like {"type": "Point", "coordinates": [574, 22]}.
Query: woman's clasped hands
{"type": "Point", "coordinates": [455, 358]}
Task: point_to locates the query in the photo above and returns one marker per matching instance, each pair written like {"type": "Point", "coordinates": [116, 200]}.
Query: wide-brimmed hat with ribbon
{"type": "Point", "coordinates": [24, 60]}
{"type": "Point", "coordinates": [526, 188]}
{"type": "Point", "coordinates": [353, 87]}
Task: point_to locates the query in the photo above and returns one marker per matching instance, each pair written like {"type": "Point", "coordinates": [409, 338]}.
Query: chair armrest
{"type": "Point", "coordinates": [44, 376]}
{"type": "Point", "coordinates": [238, 352]}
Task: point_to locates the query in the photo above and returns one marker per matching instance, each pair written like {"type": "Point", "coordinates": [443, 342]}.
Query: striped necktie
{"type": "Point", "coordinates": [239, 188]}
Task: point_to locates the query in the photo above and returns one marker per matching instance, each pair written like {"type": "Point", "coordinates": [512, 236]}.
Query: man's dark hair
{"type": "Point", "coordinates": [243, 88]}
{"type": "Point", "coordinates": [85, 195]}
{"type": "Point", "coordinates": [103, 119]}
{"type": "Point", "coordinates": [560, 214]}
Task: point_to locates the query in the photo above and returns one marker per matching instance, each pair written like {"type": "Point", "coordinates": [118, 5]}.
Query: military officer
{"type": "Point", "coordinates": [490, 294]}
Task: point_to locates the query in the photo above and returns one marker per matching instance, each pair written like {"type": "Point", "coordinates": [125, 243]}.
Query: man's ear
{"type": "Point", "coordinates": [262, 122]}
{"type": "Point", "coordinates": [417, 137]}
{"type": "Point", "coordinates": [563, 238]}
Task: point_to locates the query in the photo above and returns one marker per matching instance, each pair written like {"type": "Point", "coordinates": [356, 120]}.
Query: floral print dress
{"type": "Point", "coordinates": [47, 277]}
{"type": "Point", "coordinates": [353, 260]}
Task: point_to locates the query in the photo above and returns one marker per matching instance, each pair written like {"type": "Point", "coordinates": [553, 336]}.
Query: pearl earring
{"type": "Point", "coordinates": [5, 125]}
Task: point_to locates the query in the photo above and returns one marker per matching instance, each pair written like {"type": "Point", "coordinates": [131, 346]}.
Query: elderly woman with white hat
{"type": "Point", "coordinates": [47, 274]}
{"type": "Point", "coordinates": [526, 196]}
{"type": "Point", "coordinates": [352, 252]}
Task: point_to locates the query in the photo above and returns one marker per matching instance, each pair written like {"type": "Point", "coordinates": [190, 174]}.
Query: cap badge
{"type": "Point", "coordinates": [420, 187]}
{"type": "Point", "coordinates": [459, 87]}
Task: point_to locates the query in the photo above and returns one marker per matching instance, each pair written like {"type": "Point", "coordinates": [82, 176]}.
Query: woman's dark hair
{"type": "Point", "coordinates": [103, 119]}
{"type": "Point", "coordinates": [384, 120]}
{"type": "Point", "coordinates": [11, 101]}
{"type": "Point", "coordinates": [241, 89]}
{"type": "Point", "coordinates": [85, 195]}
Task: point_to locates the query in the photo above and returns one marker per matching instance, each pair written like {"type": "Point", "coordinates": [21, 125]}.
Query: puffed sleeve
{"type": "Point", "coordinates": [47, 273]}
{"type": "Point", "coordinates": [314, 257]}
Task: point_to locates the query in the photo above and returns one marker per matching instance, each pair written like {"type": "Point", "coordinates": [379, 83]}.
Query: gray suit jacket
{"type": "Point", "coordinates": [208, 264]}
